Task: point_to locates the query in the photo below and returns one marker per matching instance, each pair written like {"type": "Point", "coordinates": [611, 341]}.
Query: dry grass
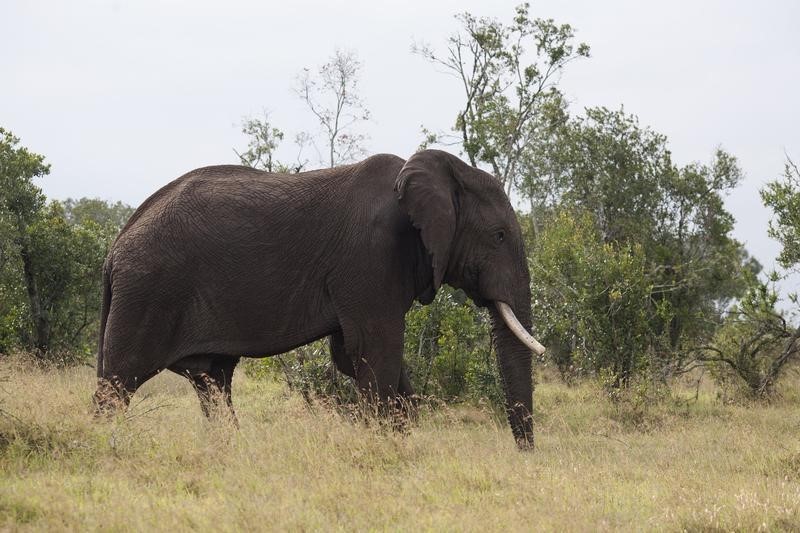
{"type": "Point", "coordinates": [679, 465]}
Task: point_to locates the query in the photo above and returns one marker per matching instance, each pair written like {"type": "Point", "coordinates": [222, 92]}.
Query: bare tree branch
{"type": "Point", "coordinates": [333, 99]}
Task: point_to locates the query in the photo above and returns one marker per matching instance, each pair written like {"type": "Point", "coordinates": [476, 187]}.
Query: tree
{"type": "Point", "coordinates": [13, 295]}
{"type": "Point", "coordinates": [783, 196]}
{"type": "Point", "coordinates": [109, 216]}
{"type": "Point", "coordinates": [263, 142]}
{"type": "Point", "coordinates": [607, 164]}
{"type": "Point", "coordinates": [66, 261]}
{"type": "Point", "coordinates": [333, 99]}
{"type": "Point", "coordinates": [604, 163]}
{"type": "Point", "coordinates": [50, 259]}
{"type": "Point", "coordinates": [699, 268]}
{"type": "Point", "coordinates": [755, 344]}
{"type": "Point", "coordinates": [757, 341]}
{"type": "Point", "coordinates": [504, 94]}
{"type": "Point", "coordinates": [65, 246]}
{"type": "Point", "coordinates": [20, 203]}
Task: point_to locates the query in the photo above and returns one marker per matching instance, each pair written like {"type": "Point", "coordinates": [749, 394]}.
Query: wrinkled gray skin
{"type": "Point", "coordinates": [228, 261]}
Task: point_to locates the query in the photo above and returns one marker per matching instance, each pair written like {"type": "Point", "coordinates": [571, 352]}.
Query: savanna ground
{"type": "Point", "coordinates": [678, 464]}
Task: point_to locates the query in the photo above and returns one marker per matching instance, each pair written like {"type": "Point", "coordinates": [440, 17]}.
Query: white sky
{"type": "Point", "coordinates": [122, 97]}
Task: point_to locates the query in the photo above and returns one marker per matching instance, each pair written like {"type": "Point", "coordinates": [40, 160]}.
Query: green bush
{"type": "Point", "coordinates": [754, 345]}
{"type": "Point", "coordinates": [591, 300]}
{"type": "Point", "coordinates": [308, 370]}
{"type": "Point", "coordinates": [63, 261]}
{"type": "Point", "coordinates": [448, 349]}
{"type": "Point", "coordinates": [51, 257]}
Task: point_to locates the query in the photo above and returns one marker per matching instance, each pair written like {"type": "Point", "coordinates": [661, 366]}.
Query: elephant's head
{"type": "Point", "coordinates": [475, 243]}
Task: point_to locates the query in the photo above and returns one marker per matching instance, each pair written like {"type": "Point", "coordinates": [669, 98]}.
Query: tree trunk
{"type": "Point", "coordinates": [534, 221]}
{"type": "Point", "coordinates": [41, 322]}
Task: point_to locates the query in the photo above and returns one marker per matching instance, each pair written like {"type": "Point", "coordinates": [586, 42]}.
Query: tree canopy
{"type": "Point", "coordinates": [50, 259]}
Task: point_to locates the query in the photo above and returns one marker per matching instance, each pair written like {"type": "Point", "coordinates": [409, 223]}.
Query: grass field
{"type": "Point", "coordinates": [682, 464]}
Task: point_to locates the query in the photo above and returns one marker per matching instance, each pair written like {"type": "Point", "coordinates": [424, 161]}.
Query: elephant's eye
{"type": "Point", "coordinates": [500, 236]}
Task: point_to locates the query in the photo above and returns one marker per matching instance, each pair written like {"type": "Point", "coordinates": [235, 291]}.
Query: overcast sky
{"type": "Point", "coordinates": [122, 97]}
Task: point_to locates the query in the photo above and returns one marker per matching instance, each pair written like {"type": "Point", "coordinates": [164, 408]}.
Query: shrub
{"type": "Point", "coordinates": [448, 349]}
{"type": "Point", "coordinates": [591, 300]}
{"type": "Point", "coordinates": [754, 345]}
{"type": "Point", "coordinates": [308, 370]}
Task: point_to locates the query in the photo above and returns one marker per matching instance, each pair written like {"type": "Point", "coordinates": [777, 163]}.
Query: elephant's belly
{"type": "Point", "coordinates": [230, 304]}
{"type": "Point", "coordinates": [256, 326]}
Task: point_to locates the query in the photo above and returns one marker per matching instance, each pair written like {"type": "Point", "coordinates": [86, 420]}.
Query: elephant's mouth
{"type": "Point", "coordinates": [477, 299]}
{"type": "Point", "coordinates": [505, 311]}
{"type": "Point", "coordinates": [518, 329]}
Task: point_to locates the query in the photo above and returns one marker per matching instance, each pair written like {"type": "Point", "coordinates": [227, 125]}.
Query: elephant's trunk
{"type": "Point", "coordinates": [514, 360]}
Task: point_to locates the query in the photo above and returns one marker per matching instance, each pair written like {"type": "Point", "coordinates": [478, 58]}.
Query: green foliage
{"type": "Point", "coordinates": [607, 165]}
{"type": "Point", "coordinates": [754, 345]}
{"type": "Point", "coordinates": [66, 261]}
{"type": "Point", "coordinates": [591, 299]}
{"type": "Point", "coordinates": [308, 370]}
{"type": "Point", "coordinates": [783, 196]}
{"type": "Point", "coordinates": [50, 260]}
{"type": "Point", "coordinates": [262, 144]}
{"type": "Point", "coordinates": [448, 349]}
{"type": "Point", "coordinates": [508, 73]}
{"type": "Point", "coordinates": [64, 256]}
{"type": "Point", "coordinates": [21, 199]}
{"type": "Point", "coordinates": [20, 203]}
{"type": "Point", "coordinates": [311, 371]}
{"type": "Point", "coordinates": [13, 309]}
{"type": "Point", "coordinates": [111, 217]}
{"type": "Point", "coordinates": [698, 267]}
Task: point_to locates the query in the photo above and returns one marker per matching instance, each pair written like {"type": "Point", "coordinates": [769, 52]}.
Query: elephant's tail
{"type": "Point", "coordinates": [104, 310]}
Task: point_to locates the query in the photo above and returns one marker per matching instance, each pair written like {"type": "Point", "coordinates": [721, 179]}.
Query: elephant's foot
{"type": "Point", "coordinates": [395, 415]}
{"type": "Point", "coordinates": [110, 398]}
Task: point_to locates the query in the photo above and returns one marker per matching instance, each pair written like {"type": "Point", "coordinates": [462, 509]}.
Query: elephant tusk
{"type": "Point", "coordinates": [519, 331]}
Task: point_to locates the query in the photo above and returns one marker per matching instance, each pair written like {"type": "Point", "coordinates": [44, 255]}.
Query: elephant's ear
{"type": "Point", "coordinates": [427, 189]}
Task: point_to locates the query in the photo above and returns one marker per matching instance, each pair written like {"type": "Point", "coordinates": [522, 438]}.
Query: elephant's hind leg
{"type": "Point", "coordinates": [211, 377]}
{"type": "Point", "coordinates": [111, 397]}
{"type": "Point", "coordinates": [114, 391]}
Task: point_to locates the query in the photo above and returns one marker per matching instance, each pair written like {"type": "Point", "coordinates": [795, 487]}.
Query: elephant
{"type": "Point", "coordinates": [229, 261]}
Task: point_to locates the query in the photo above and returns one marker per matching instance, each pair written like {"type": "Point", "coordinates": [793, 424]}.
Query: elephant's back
{"type": "Point", "coordinates": [160, 200]}
{"type": "Point", "coordinates": [203, 248]}
{"type": "Point", "coordinates": [203, 192]}
{"type": "Point", "coordinates": [226, 218]}
{"type": "Point", "coordinates": [225, 201]}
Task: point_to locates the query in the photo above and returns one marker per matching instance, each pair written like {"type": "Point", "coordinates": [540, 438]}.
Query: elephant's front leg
{"type": "Point", "coordinates": [407, 399]}
{"type": "Point", "coordinates": [405, 402]}
{"type": "Point", "coordinates": [378, 363]}
{"type": "Point", "coordinates": [378, 372]}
